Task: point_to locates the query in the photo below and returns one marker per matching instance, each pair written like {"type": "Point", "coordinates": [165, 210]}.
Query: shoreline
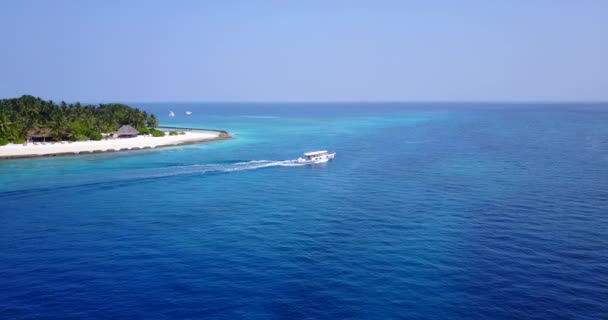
{"type": "Point", "coordinates": [191, 136]}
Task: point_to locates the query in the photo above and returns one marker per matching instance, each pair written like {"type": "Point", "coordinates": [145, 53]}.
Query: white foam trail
{"type": "Point", "coordinates": [210, 168]}
{"type": "Point", "coordinates": [163, 172]}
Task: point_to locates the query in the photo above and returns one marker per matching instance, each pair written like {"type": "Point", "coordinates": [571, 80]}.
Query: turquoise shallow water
{"type": "Point", "coordinates": [430, 211]}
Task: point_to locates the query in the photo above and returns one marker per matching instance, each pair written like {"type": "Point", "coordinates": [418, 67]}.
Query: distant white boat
{"type": "Point", "coordinates": [171, 114]}
{"type": "Point", "coordinates": [188, 112]}
{"type": "Point", "coordinates": [316, 157]}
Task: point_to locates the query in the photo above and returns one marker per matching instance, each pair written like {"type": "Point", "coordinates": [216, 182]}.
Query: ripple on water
{"type": "Point", "coordinates": [464, 214]}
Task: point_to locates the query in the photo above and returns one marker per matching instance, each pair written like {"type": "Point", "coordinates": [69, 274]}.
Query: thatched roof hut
{"type": "Point", "coordinates": [40, 133]}
{"type": "Point", "coordinates": [126, 131]}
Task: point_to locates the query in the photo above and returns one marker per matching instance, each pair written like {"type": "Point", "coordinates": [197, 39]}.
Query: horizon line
{"type": "Point", "coordinates": [127, 101]}
{"type": "Point", "coordinates": [373, 101]}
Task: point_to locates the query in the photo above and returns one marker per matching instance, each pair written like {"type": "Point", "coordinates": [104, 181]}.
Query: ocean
{"type": "Point", "coordinates": [429, 211]}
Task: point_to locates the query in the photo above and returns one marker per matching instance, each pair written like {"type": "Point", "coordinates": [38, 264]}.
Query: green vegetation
{"type": "Point", "coordinates": [79, 137]}
{"type": "Point", "coordinates": [157, 133]}
{"type": "Point", "coordinates": [143, 130]}
{"type": "Point", "coordinates": [18, 141]}
{"type": "Point", "coordinates": [95, 136]}
{"type": "Point", "coordinates": [3, 141]}
{"type": "Point", "coordinates": [63, 121]}
{"type": "Point", "coordinates": [173, 133]}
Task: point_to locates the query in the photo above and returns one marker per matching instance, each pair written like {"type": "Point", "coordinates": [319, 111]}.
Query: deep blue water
{"type": "Point", "coordinates": [430, 211]}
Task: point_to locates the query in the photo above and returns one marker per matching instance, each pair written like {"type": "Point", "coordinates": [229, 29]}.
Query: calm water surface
{"type": "Point", "coordinates": [455, 211]}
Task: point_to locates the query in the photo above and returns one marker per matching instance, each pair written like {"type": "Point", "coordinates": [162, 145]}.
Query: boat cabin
{"type": "Point", "coordinates": [314, 155]}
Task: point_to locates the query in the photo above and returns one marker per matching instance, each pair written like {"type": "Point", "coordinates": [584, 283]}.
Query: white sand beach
{"type": "Point", "coordinates": [122, 144]}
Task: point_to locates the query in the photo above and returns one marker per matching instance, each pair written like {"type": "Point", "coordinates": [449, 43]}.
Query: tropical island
{"type": "Point", "coordinates": [31, 126]}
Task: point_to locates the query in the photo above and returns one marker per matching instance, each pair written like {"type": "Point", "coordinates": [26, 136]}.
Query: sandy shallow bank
{"type": "Point", "coordinates": [85, 147]}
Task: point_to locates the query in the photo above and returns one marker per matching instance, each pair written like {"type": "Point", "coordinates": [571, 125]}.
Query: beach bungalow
{"type": "Point", "coordinates": [39, 135]}
{"type": "Point", "coordinates": [126, 131]}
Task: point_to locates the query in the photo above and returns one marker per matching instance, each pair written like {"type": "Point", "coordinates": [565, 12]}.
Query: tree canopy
{"type": "Point", "coordinates": [19, 116]}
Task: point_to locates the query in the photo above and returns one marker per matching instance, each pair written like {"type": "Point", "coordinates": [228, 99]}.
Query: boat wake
{"type": "Point", "coordinates": [217, 168]}
{"type": "Point", "coordinates": [246, 165]}
{"type": "Point", "coordinates": [145, 174]}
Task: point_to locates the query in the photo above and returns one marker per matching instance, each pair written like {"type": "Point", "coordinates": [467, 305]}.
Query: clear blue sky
{"type": "Point", "coordinates": [513, 50]}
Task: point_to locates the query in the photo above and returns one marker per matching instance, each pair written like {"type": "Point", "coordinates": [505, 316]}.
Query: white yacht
{"type": "Point", "coordinates": [188, 112]}
{"type": "Point", "coordinates": [171, 114]}
{"type": "Point", "coordinates": [316, 157]}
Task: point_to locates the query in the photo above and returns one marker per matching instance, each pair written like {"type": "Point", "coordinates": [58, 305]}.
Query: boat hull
{"type": "Point", "coordinates": [322, 159]}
